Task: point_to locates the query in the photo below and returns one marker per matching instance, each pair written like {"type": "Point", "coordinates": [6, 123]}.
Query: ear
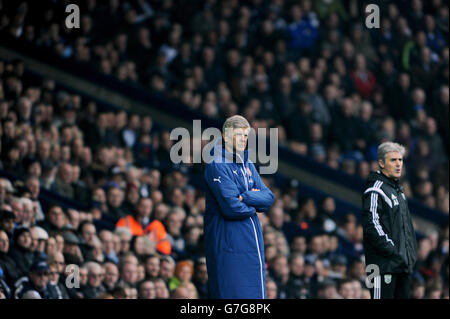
{"type": "Point", "coordinates": [381, 163]}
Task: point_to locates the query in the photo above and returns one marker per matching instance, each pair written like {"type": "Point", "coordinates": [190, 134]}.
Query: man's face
{"type": "Point", "coordinates": [166, 270]}
{"type": "Point", "coordinates": [27, 212]}
{"type": "Point", "coordinates": [88, 233]}
{"type": "Point", "coordinates": [202, 274]}
{"type": "Point", "coordinates": [145, 208]}
{"type": "Point", "coordinates": [152, 266]}
{"type": "Point", "coordinates": [161, 290]}
{"type": "Point", "coordinates": [56, 216]}
{"type": "Point", "coordinates": [115, 197]}
{"type": "Point", "coordinates": [129, 273]}
{"type": "Point", "coordinates": [59, 262]}
{"type": "Point", "coordinates": [25, 240]}
{"type": "Point", "coordinates": [8, 225]}
{"type": "Point", "coordinates": [111, 274]}
{"type": "Point", "coordinates": [148, 290]}
{"type": "Point", "coordinates": [392, 164]}
{"type": "Point", "coordinates": [39, 278]}
{"type": "Point", "coordinates": [238, 139]}
{"type": "Point", "coordinates": [95, 277]}
{"type": "Point", "coordinates": [17, 208]}
{"type": "Point", "coordinates": [33, 185]}
{"type": "Point", "coordinates": [4, 242]}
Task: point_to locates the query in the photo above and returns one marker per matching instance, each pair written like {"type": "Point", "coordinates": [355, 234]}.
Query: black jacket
{"type": "Point", "coordinates": [23, 259]}
{"type": "Point", "coordinates": [10, 270]}
{"type": "Point", "coordinates": [389, 237]}
{"type": "Point", "coordinates": [50, 291]}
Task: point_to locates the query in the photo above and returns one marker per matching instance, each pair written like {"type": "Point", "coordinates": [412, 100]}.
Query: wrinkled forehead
{"type": "Point", "coordinates": [237, 131]}
{"type": "Point", "coordinates": [393, 155]}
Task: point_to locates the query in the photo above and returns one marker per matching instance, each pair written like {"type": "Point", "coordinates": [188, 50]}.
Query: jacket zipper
{"type": "Point", "coordinates": [256, 235]}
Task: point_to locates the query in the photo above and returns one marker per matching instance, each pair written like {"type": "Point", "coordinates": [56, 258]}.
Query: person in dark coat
{"type": "Point", "coordinates": [21, 252]}
{"type": "Point", "coordinates": [36, 285]}
{"type": "Point", "coordinates": [7, 264]}
{"type": "Point", "coordinates": [233, 235]}
{"type": "Point", "coordinates": [389, 238]}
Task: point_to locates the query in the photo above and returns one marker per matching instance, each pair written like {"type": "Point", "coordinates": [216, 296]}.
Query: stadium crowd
{"type": "Point", "coordinates": [333, 88]}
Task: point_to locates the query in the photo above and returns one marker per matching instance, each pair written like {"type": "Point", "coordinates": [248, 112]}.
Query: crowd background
{"type": "Point", "coordinates": [332, 87]}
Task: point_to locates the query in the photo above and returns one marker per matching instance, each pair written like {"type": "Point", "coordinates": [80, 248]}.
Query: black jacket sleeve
{"type": "Point", "coordinates": [373, 230]}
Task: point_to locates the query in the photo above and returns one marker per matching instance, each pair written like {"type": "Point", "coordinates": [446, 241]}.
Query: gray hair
{"type": "Point", "coordinates": [388, 147]}
{"type": "Point", "coordinates": [236, 121]}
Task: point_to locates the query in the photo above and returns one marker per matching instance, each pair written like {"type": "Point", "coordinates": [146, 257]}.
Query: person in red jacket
{"type": "Point", "coordinates": [141, 224]}
{"type": "Point", "coordinates": [364, 80]}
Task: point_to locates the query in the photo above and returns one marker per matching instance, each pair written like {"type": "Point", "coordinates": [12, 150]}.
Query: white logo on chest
{"type": "Point", "coordinates": [394, 199]}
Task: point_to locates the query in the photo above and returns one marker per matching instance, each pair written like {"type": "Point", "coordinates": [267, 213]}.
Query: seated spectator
{"type": "Point", "coordinates": [20, 251]}
{"type": "Point", "coordinates": [55, 219]}
{"type": "Point", "coordinates": [111, 275]}
{"type": "Point", "coordinates": [94, 284]}
{"type": "Point", "coordinates": [183, 273]}
{"type": "Point", "coordinates": [7, 263]}
{"type": "Point", "coordinates": [38, 282]}
{"type": "Point", "coordinates": [152, 266]}
{"type": "Point", "coordinates": [147, 290]}
{"type": "Point", "coordinates": [63, 181]}
{"type": "Point", "coordinates": [162, 292]}
{"type": "Point", "coordinates": [7, 222]}
{"type": "Point", "coordinates": [139, 224]}
{"type": "Point", "coordinates": [200, 278]}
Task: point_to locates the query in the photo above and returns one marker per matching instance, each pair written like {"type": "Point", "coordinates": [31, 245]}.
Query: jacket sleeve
{"type": "Point", "coordinates": [226, 193]}
{"type": "Point", "coordinates": [261, 200]}
{"type": "Point", "coordinates": [374, 232]}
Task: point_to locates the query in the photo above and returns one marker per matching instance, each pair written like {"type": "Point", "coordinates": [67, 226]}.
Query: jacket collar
{"type": "Point", "coordinates": [388, 180]}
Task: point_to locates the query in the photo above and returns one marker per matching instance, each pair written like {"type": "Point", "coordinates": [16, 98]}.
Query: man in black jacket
{"type": "Point", "coordinates": [389, 237]}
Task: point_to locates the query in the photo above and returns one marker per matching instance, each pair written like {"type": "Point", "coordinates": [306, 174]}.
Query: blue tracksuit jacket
{"type": "Point", "coordinates": [233, 236]}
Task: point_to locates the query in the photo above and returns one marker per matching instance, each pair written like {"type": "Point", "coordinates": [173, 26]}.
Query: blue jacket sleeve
{"type": "Point", "coordinates": [226, 193]}
{"type": "Point", "coordinates": [261, 200]}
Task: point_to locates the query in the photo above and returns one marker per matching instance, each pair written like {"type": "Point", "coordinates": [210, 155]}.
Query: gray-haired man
{"type": "Point", "coordinates": [389, 237]}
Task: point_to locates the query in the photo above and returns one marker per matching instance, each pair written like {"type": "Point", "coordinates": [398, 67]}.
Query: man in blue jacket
{"type": "Point", "coordinates": [233, 236]}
